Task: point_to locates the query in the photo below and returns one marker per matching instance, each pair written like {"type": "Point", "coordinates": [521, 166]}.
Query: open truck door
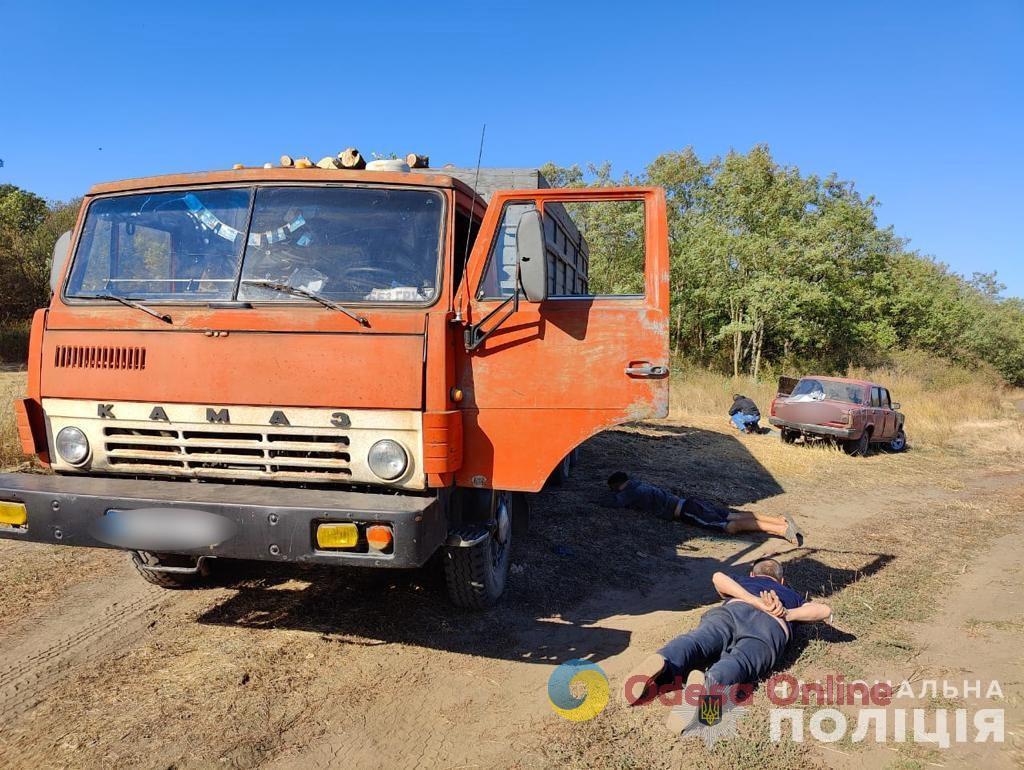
{"type": "Point", "coordinates": [566, 302]}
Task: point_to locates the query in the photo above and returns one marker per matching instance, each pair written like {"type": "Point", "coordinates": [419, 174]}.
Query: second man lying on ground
{"type": "Point", "coordinates": [641, 496]}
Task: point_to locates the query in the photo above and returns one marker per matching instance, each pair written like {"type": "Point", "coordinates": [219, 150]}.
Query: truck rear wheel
{"type": "Point", "coordinates": [194, 575]}
{"type": "Point", "coordinates": [476, 574]}
{"type": "Point", "coordinates": [788, 436]}
{"type": "Point", "coordinates": [562, 472]}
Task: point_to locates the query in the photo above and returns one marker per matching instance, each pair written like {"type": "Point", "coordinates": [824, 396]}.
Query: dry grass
{"type": "Point", "coordinates": [12, 386]}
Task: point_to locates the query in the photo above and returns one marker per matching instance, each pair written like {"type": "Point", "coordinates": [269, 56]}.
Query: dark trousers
{"type": "Point", "coordinates": [734, 644]}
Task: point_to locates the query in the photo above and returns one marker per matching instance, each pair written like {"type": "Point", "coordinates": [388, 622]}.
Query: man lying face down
{"type": "Point", "coordinates": [641, 496]}
{"type": "Point", "coordinates": [737, 642]}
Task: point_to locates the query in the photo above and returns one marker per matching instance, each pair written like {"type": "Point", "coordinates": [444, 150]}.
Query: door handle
{"type": "Point", "coordinates": [647, 370]}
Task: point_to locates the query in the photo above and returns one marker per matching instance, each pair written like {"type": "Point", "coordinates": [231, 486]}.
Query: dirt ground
{"type": "Point", "coordinates": [920, 554]}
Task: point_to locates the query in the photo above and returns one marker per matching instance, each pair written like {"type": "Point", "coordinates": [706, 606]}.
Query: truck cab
{"type": "Point", "coordinates": [362, 368]}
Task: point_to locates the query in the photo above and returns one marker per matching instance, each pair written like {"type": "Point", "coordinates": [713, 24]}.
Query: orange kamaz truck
{"type": "Point", "coordinates": [363, 368]}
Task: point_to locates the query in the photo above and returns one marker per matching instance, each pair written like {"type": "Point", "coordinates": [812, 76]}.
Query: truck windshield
{"type": "Point", "coordinates": [830, 389]}
{"type": "Point", "coordinates": [346, 244]}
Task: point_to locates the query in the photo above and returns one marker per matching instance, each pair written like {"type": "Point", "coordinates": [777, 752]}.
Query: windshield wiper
{"type": "Point", "coordinates": [137, 305]}
{"type": "Point", "coordinates": [299, 292]}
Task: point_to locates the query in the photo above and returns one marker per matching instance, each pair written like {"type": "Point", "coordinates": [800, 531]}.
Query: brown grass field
{"type": "Point", "coordinates": [919, 555]}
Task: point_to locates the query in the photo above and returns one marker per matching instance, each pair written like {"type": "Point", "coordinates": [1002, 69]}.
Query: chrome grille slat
{"type": "Point", "coordinates": [275, 446]}
{"type": "Point", "coordinates": [228, 452]}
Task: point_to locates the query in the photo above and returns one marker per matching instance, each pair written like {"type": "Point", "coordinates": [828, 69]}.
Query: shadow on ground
{"type": "Point", "coordinates": [583, 562]}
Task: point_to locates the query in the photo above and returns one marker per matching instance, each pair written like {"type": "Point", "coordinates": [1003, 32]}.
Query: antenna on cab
{"type": "Point", "coordinates": [472, 208]}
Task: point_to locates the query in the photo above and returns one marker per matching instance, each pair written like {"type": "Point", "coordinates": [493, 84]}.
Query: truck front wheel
{"type": "Point", "coordinates": [476, 573]}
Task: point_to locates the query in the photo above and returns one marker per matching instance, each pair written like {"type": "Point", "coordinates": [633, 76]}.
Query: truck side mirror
{"type": "Point", "coordinates": [532, 256]}
{"type": "Point", "coordinates": [896, 405]}
{"type": "Point", "coordinates": [61, 252]}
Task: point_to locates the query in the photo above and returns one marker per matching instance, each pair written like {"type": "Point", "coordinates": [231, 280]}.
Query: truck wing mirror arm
{"type": "Point", "coordinates": [531, 282]}
{"type": "Point", "coordinates": [476, 333]}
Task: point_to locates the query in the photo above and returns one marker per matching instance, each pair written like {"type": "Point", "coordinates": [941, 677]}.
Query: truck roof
{"type": "Point", "coordinates": [490, 179]}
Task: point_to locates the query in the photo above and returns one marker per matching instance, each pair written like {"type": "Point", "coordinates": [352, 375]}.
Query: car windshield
{"type": "Point", "coordinates": [830, 389]}
{"type": "Point", "coordinates": [346, 244]}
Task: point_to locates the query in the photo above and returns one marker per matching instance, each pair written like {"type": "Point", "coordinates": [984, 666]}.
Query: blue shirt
{"type": "Point", "coordinates": [790, 599]}
{"type": "Point", "coordinates": [646, 497]}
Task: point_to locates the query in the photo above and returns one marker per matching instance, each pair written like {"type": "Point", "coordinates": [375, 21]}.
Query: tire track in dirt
{"type": "Point", "coordinates": [86, 625]}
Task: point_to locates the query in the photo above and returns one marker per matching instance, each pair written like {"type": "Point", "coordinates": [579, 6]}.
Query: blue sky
{"type": "Point", "coordinates": [922, 104]}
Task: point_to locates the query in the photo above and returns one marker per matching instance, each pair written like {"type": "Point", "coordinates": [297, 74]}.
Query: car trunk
{"type": "Point", "coordinates": [821, 412]}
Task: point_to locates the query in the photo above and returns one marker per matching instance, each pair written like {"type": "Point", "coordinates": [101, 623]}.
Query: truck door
{"type": "Point", "coordinates": [539, 378]}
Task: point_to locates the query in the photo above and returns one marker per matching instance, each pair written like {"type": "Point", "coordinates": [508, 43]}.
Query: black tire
{"type": "Point", "coordinates": [560, 475]}
{"type": "Point", "coordinates": [176, 581]}
{"type": "Point", "coordinates": [788, 436]}
{"type": "Point", "coordinates": [899, 443]}
{"type": "Point", "coordinates": [858, 447]}
{"type": "Point", "coordinates": [521, 508]}
{"type": "Point", "coordinates": [574, 458]}
{"type": "Point", "coordinates": [476, 575]}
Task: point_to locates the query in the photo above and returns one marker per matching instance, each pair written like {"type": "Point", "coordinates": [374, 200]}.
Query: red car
{"type": "Point", "coordinates": [856, 413]}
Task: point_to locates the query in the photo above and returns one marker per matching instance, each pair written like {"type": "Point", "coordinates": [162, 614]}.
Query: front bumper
{"type": "Point", "coordinates": [271, 523]}
{"type": "Point", "coordinates": [818, 430]}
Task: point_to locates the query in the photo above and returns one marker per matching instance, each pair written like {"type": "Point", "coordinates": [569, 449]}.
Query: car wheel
{"type": "Point", "coordinates": [788, 436]}
{"type": "Point", "coordinates": [858, 447]}
{"type": "Point", "coordinates": [899, 443]}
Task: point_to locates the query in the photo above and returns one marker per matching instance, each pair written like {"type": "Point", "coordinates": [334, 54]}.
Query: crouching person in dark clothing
{"type": "Point", "coordinates": [737, 643]}
{"type": "Point", "coordinates": [744, 414]}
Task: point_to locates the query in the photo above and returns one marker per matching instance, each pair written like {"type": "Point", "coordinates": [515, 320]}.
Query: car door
{"type": "Point", "coordinates": [890, 414]}
{"type": "Point", "coordinates": [540, 378]}
{"type": "Point", "coordinates": [877, 415]}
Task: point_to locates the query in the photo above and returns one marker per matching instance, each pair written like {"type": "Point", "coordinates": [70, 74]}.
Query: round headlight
{"type": "Point", "coordinates": [387, 459]}
{"type": "Point", "coordinates": [72, 445]}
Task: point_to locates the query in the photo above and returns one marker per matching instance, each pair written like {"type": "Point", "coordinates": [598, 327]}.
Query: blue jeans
{"type": "Point", "coordinates": [735, 643]}
{"type": "Point", "coordinates": [741, 421]}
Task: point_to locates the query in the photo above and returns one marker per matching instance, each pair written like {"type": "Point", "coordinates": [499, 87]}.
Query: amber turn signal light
{"type": "Point", "coordinates": [379, 537]}
{"type": "Point", "coordinates": [13, 514]}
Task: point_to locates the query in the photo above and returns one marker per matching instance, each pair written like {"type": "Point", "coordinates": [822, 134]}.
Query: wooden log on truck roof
{"type": "Point", "coordinates": [350, 158]}
{"type": "Point", "coordinates": [328, 162]}
{"type": "Point", "coordinates": [303, 162]}
{"type": "Point", "coordinates": [287, 161]}
{"type": "Point", "coordinates": [417, 161]}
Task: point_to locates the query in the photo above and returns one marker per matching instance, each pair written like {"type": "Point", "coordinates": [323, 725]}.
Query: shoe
{"type": "Point", "coordinates": [793, 533]}
{"type": "Point", "coordinates": [679, 719]}
{"type": "Point", "coordinates": [648, 671]}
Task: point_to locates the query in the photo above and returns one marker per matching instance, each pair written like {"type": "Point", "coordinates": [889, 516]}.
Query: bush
{"type": "Point", "coordinates": [14, 343]}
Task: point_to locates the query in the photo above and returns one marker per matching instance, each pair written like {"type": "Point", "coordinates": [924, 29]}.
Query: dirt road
{"type": "Point", "coordinates": [919, 553]}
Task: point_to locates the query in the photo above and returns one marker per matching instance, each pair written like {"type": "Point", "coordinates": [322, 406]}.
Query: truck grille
{"type": "Point", "coordinates": [286, 454]}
